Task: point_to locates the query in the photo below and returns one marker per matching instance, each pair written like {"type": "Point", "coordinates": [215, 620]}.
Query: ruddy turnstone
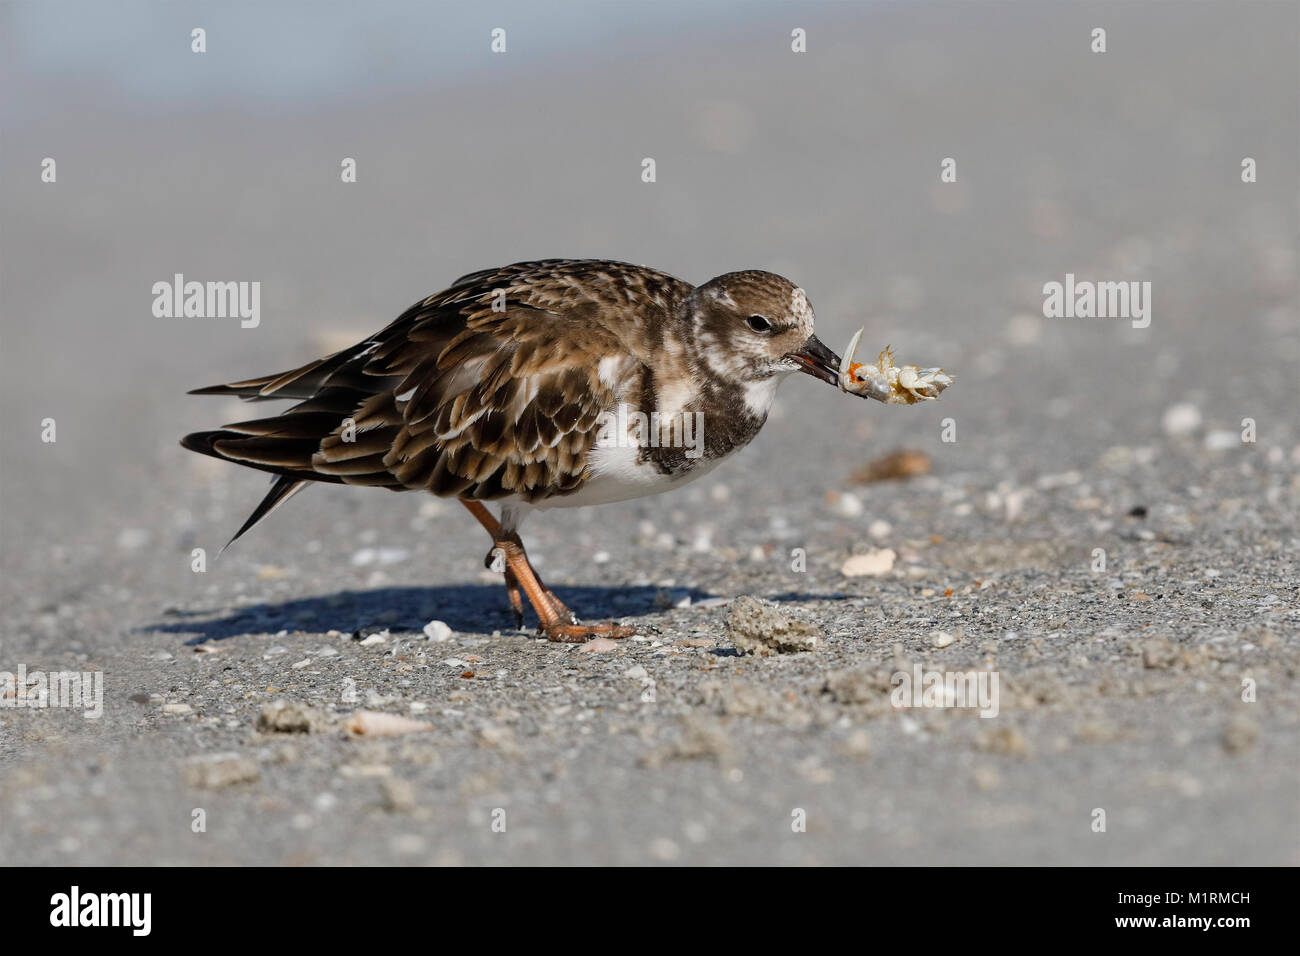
{"type": "Point", "coordinates": [557, 383]}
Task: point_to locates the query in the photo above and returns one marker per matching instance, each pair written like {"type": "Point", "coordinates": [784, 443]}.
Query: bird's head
{"type": "Point", "coordinates": [750, 326]}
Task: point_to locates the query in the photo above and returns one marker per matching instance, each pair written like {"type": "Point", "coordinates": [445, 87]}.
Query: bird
{"type": "Point", "coordinates": [553, 383]}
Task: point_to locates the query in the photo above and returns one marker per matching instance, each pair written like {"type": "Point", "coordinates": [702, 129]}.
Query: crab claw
{"type": "Point", "coordinates": [846, 363]}
{"type": "Point", "coordinates": [864, 381]}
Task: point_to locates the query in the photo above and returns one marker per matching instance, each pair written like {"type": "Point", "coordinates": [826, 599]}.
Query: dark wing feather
{"type": "Point", "coordinates": [282, 489]}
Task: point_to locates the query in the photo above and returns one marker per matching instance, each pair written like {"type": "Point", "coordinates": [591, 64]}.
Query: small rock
{"type": "Point", "coordinates": [438, 632]}
{"type": "Point", "coordinates": [1222, 440]}
{"type": "Point", "coordinates": [697, 642]}
{"type": "Point", "coordinates": [368, 723]}
{"type": "Point", "coordinates": [177, 709]}
{"type": "Point", "coordinates": [215, 771]}
{"type": "Point", "coordinates": [874, 563]}
{"type": "Point", "coordinates": [942, 639]}
{"type": "Point", "coordinates": [367, 556]}
{"type": "Point", "coordinates": [1181, 419]}
{"type": "Point", "coordinates": [290, 717]}
{"type": "Point", "coordinates": [598, 645]}
{"type": "Point", "coordinates": [758, 626]}
{"type": "Point", "coordinates": [898, 464]}
{"type": "Point", "coordinates": [848, 505]}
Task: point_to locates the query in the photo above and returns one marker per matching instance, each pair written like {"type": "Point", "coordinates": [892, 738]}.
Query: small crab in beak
{"type": "Point", "coordinates": [887, 382]}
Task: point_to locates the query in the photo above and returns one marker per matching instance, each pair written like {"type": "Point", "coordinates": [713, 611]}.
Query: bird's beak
{"type": "Point", "coordinates": [818, 361]}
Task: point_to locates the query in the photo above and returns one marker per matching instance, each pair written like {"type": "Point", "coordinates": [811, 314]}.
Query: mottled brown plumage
{"type": "Point", "coordinates": [495, 389]}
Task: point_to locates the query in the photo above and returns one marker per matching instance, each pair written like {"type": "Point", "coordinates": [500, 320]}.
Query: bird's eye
{"type": "Point", "coordinates": [758, 323]}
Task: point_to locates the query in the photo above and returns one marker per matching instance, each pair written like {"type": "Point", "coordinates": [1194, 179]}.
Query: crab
{"type": "Point", "coordinates": [887, 382]}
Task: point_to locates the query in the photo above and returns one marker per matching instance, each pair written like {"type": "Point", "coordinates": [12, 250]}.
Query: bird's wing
{"type": "Point", "coordinates": [491, 388]}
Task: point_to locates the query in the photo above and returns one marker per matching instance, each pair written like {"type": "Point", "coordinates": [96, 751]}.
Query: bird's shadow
{"type": "Point", "coordinates": [476, 608]}
{"type": "Point", "coordinates": [473, 608]}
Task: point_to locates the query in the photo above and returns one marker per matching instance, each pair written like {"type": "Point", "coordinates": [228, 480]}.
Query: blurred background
{"type": "Point", "coordinates": [823, 166]}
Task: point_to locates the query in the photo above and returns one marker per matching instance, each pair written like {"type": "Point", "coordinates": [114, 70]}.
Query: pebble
{"type": "Point", "coordinates": [598, 645]}
{"type": "Point", "coordinates": [290, 717]}
{"type": "Point", "coordinates": [758, 626]}
{"type": "Point", "coordinates": [874, 563]}
{"type": "Point", "coordinates": [848, 505]}
{"type": "Point", "coordinates": [367, 556]}
{"type": "Point", "coordinates": [1181, 419]}
{"type": "Point", "coordinates": [216, 771]}
{"type": "Point", "coordinates": [437, 631]}
{"type": "Point", "coordinates": [1221, 440]}
{"type": "Point", "coordinates": [367, 723]}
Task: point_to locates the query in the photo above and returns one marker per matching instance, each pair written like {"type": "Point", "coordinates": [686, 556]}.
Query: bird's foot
{"type": "Point", "coordinates": [581, 633]}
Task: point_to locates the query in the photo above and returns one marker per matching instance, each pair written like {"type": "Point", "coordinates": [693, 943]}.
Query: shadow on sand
{"type": "Point", "coordinates": [471, 608]}
{"type": "Point", "coordinates": [474, 608]}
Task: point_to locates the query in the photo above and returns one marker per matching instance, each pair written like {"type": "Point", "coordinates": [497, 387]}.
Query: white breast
{"type": "Point", "coordinates": [617, 475]}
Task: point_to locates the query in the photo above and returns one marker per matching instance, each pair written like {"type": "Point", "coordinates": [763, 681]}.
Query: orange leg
{"type": "Point", "coordinates": [555, 620]}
